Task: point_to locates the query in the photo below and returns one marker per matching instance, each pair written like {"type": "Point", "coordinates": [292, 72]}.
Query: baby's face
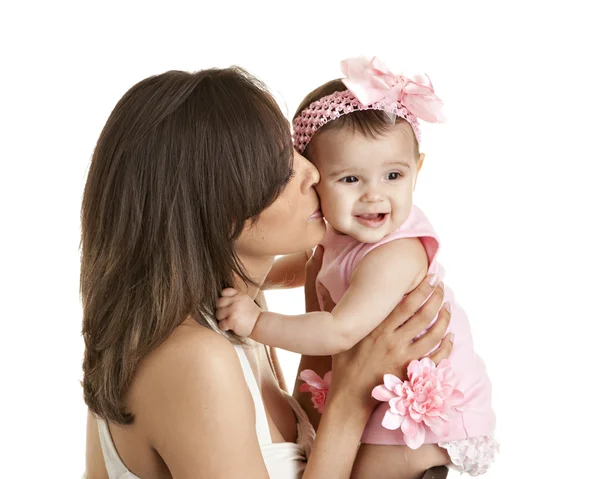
{"type": "Point", "coordinates": [366, 183]}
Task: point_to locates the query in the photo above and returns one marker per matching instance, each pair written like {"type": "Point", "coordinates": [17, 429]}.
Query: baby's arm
{"type": "Point", "coordinates": [288, 271]}
{"type": "Point", "coordinates": [382, 279]}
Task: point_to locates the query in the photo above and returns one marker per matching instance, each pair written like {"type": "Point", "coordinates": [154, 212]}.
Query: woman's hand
{"type": "Point", "coordinates": [387, 349]}
{"type": "Point", "coordinates": [313, 265]}
{"type": "Point", "coordinates": [391, 346]}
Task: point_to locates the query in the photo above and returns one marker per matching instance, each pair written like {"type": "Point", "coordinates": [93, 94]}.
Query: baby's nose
{"type": "Point", "coordinates": [371, 197]}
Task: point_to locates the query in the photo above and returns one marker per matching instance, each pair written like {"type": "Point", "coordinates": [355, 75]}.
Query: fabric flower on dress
{"type": "Point", "coordinates": [317, 386]}
{"type": "Point", "coordinates": [427, 399]}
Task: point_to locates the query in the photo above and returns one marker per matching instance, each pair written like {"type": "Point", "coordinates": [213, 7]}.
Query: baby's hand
{"type": "Point", "coordinates": [237, 312]}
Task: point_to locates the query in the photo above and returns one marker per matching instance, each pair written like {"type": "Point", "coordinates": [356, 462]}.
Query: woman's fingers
{"type": "Point", "coordinates": [411, 303]}
{"type": "Point", "coordinates": [444, 349]}
{"type": "Point", "coordinates": [424, 315]}
{"type": "Point", "coordinates": [328, 303]}
{"type": "Point", "coordinates": [312, 269]}
{"type": "Point", "coordinates": [313, 265]}
{"type": "Point", "coordinates": [433, 335]}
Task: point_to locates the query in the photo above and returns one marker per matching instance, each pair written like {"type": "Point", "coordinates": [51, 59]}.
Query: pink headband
{"type": "Point", "coordinates": [371, 86]}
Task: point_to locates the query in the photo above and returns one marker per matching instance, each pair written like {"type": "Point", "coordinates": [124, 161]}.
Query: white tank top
{"type": "Point", "coordinates": [284, 460]}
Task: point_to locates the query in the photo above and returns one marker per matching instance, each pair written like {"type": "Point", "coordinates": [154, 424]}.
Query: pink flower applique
{"type": "Point", "coordinates": [317, 386]}
{"type": "Point", "coordinates": [427, 399]}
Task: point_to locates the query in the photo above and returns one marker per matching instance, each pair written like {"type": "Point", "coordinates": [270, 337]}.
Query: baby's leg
{"type": "Point", "coordinates": [397, 462]}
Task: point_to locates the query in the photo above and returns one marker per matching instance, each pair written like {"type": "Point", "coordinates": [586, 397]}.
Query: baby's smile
{"type": "Point", "coordinates": [372, 220]}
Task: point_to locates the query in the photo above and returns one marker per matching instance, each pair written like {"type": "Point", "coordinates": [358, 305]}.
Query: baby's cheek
{"type": "Point", "coordinates": [325, 197]}
{"type": "Point", "coordinates": [331, 206]}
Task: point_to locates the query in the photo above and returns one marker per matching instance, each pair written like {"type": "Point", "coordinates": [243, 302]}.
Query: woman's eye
{"type": "Point", "coordinates": [349, 179]}
{"type": "Point", "coordinates": [394, 175]}
{"type": "Point", "coordinates": [289, 178]}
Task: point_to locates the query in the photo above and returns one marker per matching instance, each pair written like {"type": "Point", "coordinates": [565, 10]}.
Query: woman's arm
{"type": "Point", "coordinates": [288, 271]}
{"type": "Point", "coordinates": [272, 352]}
{"type": "Point", "coordinates": [336, 445]}
{"type": "Point", "coordinates": [199, 416]}
{"type": "Point", "coordinates": [319, 364]}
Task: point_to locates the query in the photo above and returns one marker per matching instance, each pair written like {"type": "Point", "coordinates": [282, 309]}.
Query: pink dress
{"type": "Point", "coordinates": [470, 443]}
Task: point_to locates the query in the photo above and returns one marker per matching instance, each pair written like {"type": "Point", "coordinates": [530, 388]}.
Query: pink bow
{"type": "Point", "coordinates": [371, 81]}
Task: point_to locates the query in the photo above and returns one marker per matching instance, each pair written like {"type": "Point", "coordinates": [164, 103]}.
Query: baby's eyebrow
{"type": "Point", "coordinates": [393, 163]}
{"type": "Point", "coordinates": [354, 170]}
{"type": "Point", "coordinates": [339, 172]}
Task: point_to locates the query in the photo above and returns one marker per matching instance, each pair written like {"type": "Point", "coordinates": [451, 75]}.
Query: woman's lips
{"type": "Point", "coordinates": [372, 220]}
{"type": "Point", "coordinates": [317, 215]}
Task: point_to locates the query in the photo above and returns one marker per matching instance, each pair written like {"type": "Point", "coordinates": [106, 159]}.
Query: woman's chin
{"type": "Point", "coordinates": [312, 236]}
{"type": "Point", "coordinates": [319, 231]}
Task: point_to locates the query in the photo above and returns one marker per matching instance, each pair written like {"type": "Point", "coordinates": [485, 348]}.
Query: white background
{"type": "Point", "coordinates": [510, 183]}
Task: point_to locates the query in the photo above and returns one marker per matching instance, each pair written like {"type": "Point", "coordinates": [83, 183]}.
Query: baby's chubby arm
{"type": "Point", "coordinates": [382, 279]}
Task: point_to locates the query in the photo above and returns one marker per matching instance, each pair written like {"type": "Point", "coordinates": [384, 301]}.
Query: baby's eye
{"type": "Point", "coordinates": [349, 179]}
{"type": "Point", "coordinates": [394, 175]}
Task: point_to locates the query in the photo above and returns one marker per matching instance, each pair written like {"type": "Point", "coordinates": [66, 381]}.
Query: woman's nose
{"type": "Point", "coordinates": [310, 173]}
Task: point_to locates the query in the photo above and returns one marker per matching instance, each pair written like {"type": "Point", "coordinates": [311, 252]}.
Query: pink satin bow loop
{"type": "Point", "coordinates": [371, 86]}
{"type": "Point", "coordinates": [371, 82]}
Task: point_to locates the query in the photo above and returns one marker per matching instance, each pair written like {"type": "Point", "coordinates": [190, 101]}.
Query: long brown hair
{"type": "Point", "coordinates": [184, 160]}
{"type": "Point", "coordinates": [370, 123]}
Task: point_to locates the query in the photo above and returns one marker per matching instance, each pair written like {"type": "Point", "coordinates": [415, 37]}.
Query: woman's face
{"type": "Point", "coordinates": [293, 223]}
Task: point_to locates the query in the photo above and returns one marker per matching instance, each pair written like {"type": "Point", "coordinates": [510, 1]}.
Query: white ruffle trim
{"type": "Point", "coordinates": [473, 455]}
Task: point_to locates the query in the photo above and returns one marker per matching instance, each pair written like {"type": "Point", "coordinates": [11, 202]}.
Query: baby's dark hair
{"type": "Point", "coordinates": [371, 123]}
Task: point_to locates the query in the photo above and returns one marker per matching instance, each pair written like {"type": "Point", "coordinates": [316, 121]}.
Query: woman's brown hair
{"type": "Point", "coordinates": [370, 123]}
{"type": "Point", "coordinates": [184, 160]}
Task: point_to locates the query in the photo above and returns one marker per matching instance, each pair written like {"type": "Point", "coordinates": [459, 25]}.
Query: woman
{"type": "Point", "coordinates": [194, 186]}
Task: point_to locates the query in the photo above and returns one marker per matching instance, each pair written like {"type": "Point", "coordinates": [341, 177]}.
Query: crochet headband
{"type": "Point", "coordinates": [371, 86]}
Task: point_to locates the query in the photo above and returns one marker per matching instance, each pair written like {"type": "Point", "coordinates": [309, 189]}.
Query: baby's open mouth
{"type": "Point", "coordinates": [372, 220]}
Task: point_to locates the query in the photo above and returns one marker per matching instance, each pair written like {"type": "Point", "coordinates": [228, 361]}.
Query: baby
{"type": "Point", "coordinates": [362, 133]}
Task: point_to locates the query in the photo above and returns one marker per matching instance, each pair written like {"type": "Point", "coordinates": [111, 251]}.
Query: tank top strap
{"type": "Point", "coordinates": [262, 425]}
{"type": "Point", "coordinates": [114, 465]}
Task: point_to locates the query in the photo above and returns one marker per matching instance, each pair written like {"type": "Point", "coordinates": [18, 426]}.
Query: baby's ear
{"type": "Point", "coordinates": [420, 161]}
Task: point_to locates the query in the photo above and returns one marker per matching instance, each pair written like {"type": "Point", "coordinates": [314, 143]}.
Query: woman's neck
{"type": "Point", "coordinates": [257, 268]}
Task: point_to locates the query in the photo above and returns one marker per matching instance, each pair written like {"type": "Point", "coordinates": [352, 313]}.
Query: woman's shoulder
{"type": "Point", "coordinates": [189, 349]}
{"type": "Point", "coordinates": [189, 394]}
{"type": "Point", "coordinates": [189, 359]}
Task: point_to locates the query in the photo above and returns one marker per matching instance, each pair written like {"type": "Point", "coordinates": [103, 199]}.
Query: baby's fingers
{"type": "Point", "coordinates": [224, 301]}
{"type": "Point", "coordinates": [225, 325]}
{"type": "Point", "coordinates": [223, 313]}
{"type": "Point", "coordinates": [229, 292]}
